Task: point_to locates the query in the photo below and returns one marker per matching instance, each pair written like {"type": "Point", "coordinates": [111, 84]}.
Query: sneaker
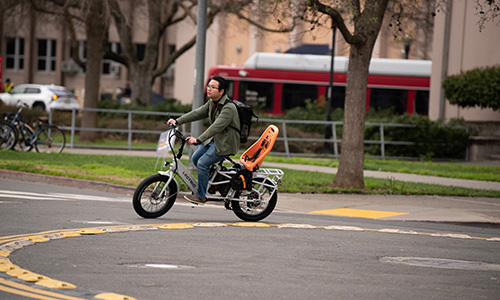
{"type": "Point", "coordinates": [195, 199]}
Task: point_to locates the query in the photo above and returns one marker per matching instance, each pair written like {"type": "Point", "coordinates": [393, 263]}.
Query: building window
{"type": "Point", "coordinates": [46, 55]}
{"type": "Point", "coordinates": [14, 59]}
{"type": "Point", "coordinates": [141, 51]}
{"type": "Point", "coordinates": [109, 67]}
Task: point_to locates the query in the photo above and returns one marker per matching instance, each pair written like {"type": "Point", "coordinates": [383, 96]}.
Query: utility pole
{"type": "Point", "coordinates": [199, 68]}
{"type": "Point", "coordinates": [329, 97]}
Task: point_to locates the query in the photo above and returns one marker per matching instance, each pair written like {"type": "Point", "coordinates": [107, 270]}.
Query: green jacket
{"type": "Point", "coordinates": [222, 127]}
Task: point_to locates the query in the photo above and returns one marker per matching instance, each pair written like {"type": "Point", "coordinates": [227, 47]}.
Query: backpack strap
{"type": "Point", "coordinates": [222, 106]}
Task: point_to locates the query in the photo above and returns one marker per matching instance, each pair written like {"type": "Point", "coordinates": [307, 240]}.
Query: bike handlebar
{"type": "Point", "coordinates": [178, 134]}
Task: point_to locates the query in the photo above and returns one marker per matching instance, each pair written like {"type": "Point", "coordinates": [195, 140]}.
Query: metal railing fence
{"type": "Point", "coordinates": [284, 137]}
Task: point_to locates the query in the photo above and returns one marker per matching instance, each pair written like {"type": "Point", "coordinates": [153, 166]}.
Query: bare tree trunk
{"type": "Point", "coordinates": [143, 78]}
{"type": "Point", "coordinates": [367, 28]}
{"type": "Point", "coordinates": [350, 172]}
{"type": "Point", "coordinates": [96, 30]}
{"type": "Point", "coordinates": [142, 82]}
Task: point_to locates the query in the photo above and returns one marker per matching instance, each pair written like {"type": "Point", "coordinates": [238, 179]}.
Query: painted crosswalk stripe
{"type": "Point", "coordinates": [358, 213]}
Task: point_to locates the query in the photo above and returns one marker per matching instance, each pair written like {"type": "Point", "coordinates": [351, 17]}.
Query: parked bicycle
{"type": "Point", "coordinates": [44, 138]}
{"type": "Point", "coordinates": [8, 136]}
{"type": "Point", "coordinates": [249, 191]}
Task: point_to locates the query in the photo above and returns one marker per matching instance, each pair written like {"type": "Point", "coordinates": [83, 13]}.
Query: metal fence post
{"type": "Point", "coordinates": [73, 125]}
{"type": "Point", "coordinates": [335, 142]}
{"type": "Point", "coordinates": [130, 130]}
{"type": "Point", "coordinates": [285, 139]}
{"type": "Point", "coordinates": [382, 141]}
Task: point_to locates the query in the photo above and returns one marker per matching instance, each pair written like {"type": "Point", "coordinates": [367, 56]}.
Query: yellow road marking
{"type": "Point", "coordinates": [113, 296]}
{"type": "Point", "coordinates": [359, 213]}
{"type": "Point", "coordinates": [176, 226]}
{"type": "Point", "coordinates": [27, 291]}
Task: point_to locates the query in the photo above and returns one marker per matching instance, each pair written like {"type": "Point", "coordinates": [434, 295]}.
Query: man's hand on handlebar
{"type": "Point", "coordinates": [192, 141]}
{"type": "Point", "coordinates": [172, 122]}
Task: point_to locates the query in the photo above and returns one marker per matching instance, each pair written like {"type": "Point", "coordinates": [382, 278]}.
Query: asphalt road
{"type": "Point", "coordinates": [214, 256]}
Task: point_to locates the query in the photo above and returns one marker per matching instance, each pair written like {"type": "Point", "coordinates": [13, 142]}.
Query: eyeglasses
{"type": "Point", "coordinates": [211, 87]}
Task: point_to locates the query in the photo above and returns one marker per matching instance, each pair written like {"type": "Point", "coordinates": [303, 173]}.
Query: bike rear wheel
{"type": "Point", "coordinates": [263, 204]}
{"type": "Point", "coordinates": [50, 139]}
{"type": "Point", "coordinates": [152, 198]}
{"type": "Point", "coordinates": [8, 136]}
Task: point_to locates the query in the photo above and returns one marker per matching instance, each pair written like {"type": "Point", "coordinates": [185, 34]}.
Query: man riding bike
{"type": "Point", "coordinates": [220, 139]}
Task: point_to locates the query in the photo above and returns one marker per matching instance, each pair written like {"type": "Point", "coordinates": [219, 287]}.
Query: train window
{"type": "Point", "coordinates": [296, 95]}
{"type": "Point", "coordinates": [389, 98]}
{"type": "Point", "coordinates": [338, 97]}
{"type": "Point", "coordinates": [257, 94]}
{"type": "Point", "coordinates": [422, 103]}
{"type": "Point", "coordinates": [230, 88]}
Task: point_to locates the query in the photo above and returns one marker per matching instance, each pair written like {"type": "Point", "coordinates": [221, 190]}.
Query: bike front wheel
{"type": "Point", "coordinates": [50, 139]}
{"type": "Point", "coordinates": [25, 136]}
{"type": "Point", "coordinates": [153, 198]}
{"type": "Point", "coordinates": [8, 136]}
{"type": "Point", "coordinates": [263, 202]}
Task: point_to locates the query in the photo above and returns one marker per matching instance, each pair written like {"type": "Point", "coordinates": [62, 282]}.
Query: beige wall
{"type": "Point", "coordinates": [227, 32]}
{"type": "Point", "coordinates": [468, 49]}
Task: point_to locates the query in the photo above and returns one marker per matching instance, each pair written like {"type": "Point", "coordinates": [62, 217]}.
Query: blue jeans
{"type": "Point", "coordinates": [203, 158]}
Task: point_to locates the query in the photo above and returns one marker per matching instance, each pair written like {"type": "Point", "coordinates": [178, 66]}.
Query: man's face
{"type": "Point", "coordinates": [213, 91]}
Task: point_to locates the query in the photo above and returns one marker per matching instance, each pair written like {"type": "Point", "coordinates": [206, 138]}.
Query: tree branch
{"type": "Point", "coordinates": [124, 31]}
{"type": "Point", "coordinates": [256, 24]}
{"type": "Point", "coordinates": [188, 45]}
{"type": "Point", "coordinates": [337, 19]}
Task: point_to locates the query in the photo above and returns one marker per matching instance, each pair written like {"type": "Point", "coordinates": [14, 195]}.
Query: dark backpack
{"type": "Point", "coordinates": [245, 113]}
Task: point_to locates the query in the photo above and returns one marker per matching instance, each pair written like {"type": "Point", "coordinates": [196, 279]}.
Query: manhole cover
{"type": "Point", "coordinates": [442, 263]}
{"type": "Point", "coordinates": [159, 266]}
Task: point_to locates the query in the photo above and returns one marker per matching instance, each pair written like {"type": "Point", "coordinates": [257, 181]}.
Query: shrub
{"type": "Point", "coordinates": [431, 139]}
{"type": "Point", "coordinates": [477, 87]}
{"type": "Point", "coordinates": [172, 105]}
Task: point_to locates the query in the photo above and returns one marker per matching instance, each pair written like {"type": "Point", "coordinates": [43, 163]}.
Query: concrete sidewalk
{"type": "Point", "coordinates": [383, 207]}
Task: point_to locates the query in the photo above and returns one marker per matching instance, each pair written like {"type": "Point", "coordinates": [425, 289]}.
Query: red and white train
{"type": "Point", "coordinates": [276, 82]}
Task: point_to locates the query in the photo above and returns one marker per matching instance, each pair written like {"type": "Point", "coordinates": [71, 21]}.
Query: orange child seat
{"type": "Point", "coordinates": [254, 156]}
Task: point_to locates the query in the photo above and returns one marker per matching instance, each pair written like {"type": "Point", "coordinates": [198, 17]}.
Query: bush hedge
{"type": "Point", "coordinates": [433, 139]}
{"type": "Point", "coordinates": [477, 87]}
{"type": "Point", "coordinates": [172, 105]}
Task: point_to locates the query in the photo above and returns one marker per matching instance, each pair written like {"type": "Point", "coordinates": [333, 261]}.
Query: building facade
{"type": "Point", "coordinates": [460, 46]}
{"type": "Point", "coordinates": [36, 49]}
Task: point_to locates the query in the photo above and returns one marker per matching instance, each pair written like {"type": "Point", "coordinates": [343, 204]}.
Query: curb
{"type": "Point", "coordinates": [67, 181]}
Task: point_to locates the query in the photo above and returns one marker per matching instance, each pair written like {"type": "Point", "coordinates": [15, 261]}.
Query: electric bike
{"type": "Point", "coordinates": [249, 191]}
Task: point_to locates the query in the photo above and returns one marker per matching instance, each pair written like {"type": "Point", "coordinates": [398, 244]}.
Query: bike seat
{"type": "Point", "coordinates": [254, 156]}
{"type": "Point", "coordinates": [43, 119]}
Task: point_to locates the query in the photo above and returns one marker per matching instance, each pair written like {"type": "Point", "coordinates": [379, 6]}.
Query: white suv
{"type": "Point", "coordinates": [43, 97]}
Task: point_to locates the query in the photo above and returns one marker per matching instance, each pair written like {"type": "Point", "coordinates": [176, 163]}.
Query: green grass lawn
{"type": "Point", "coordinates": [130, 170]}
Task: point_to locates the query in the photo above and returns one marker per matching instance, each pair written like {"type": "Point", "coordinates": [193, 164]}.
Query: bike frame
{"type": "Point", "coordinates": [29, 140]}
{"type": "Point", "coordinates": [20, 121]}
{"type": "Point", "coordinates": [270, 178]}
